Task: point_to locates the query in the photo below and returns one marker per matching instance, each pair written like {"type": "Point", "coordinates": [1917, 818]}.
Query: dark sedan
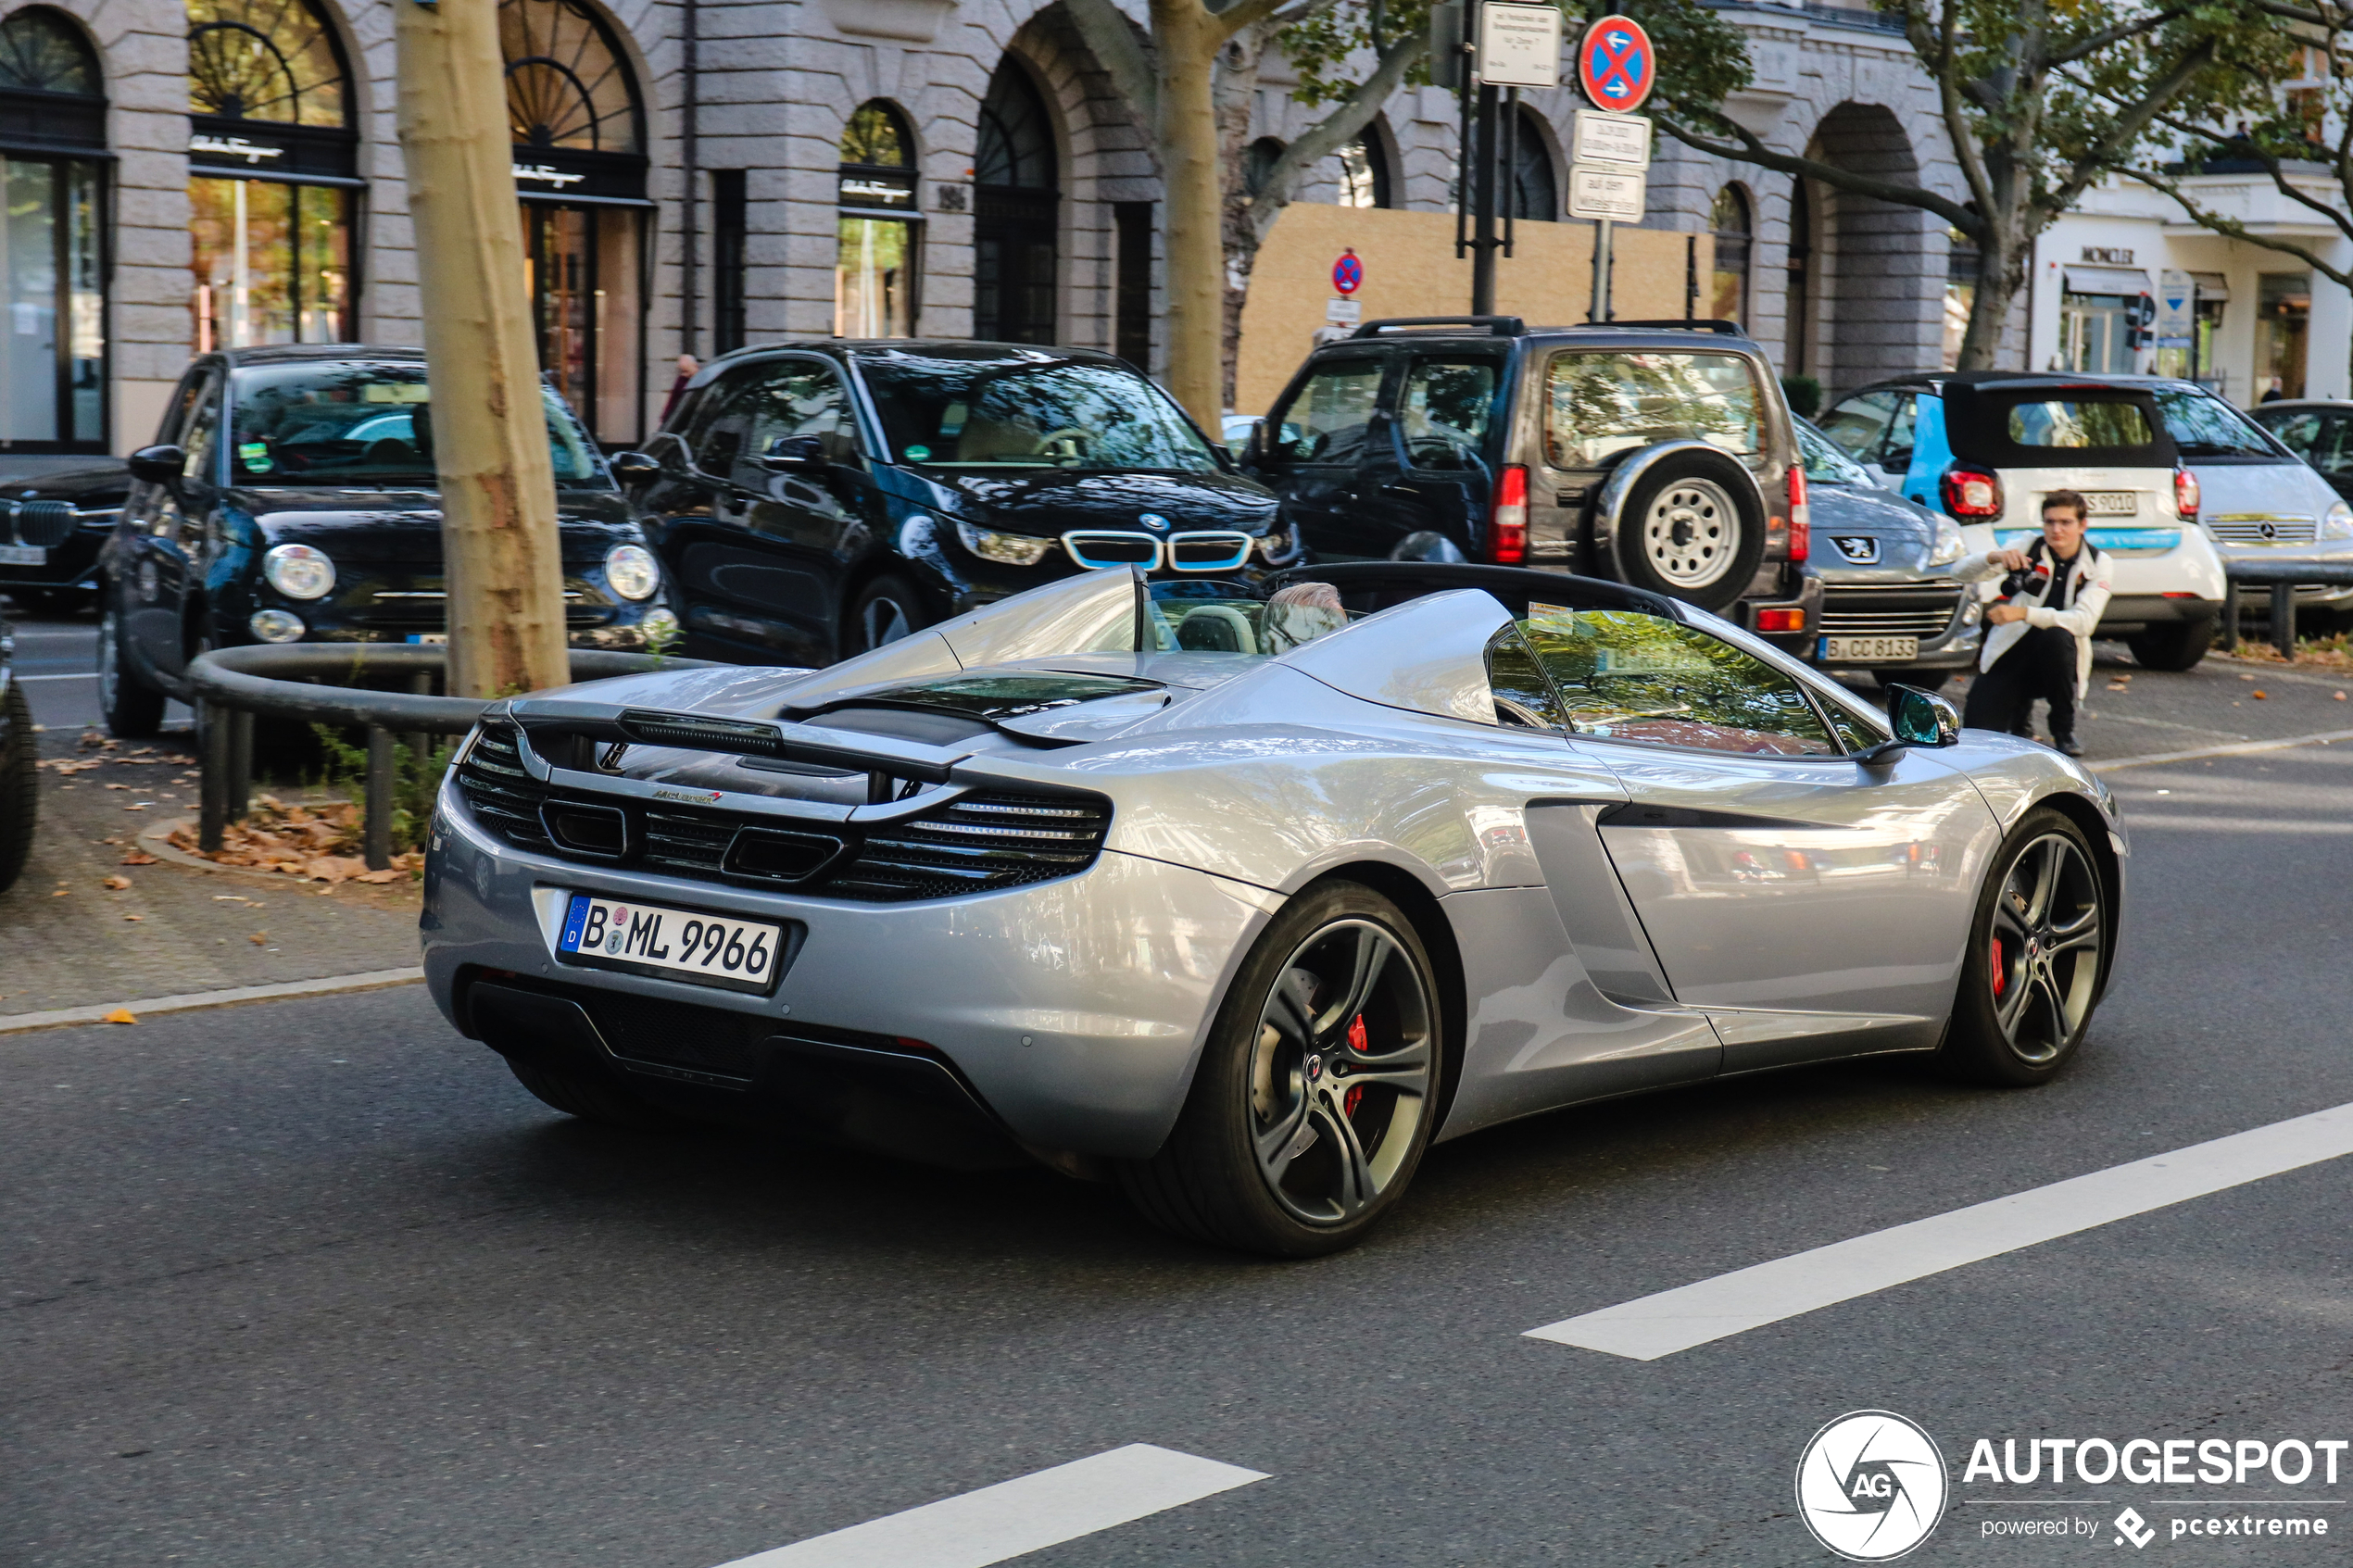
{"type": "Point", "coordinates": [291, 498]}
{"type": "Point", "coordinates": [52, 527]}
{"type": "Point", "coordinates": [812, 501]}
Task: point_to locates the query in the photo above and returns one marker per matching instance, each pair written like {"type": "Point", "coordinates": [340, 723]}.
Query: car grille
{"type": "Point", "coordinates": [2264, 530]}
{"type": "Point", "coordinates": [979, 843]}
{"type": "Point", "coordinates": [1903, 609]}
{"type": "Point", "coordinates": [425, 609]}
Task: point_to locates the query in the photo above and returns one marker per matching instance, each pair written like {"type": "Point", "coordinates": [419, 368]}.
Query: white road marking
{"type": "Point", "coordinates": [332, 984]}
{"type": "Point", "coordinates": [1729, 1304]}
{"type": "Point", "coordinates": [2237, 748]}
{"type": "Point", "coordinates": [1024, 1514]}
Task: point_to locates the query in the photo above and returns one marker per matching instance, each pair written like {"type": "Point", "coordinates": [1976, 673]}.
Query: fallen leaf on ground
{"type": "Point", "coordinates": [2257, 695]}
{"type": "Point", "coordinates": [120, 1015]}
{"type": "Point", "coordinates": [138, 858]}
{"type": "Point", "coordinates": [259, 938]}
{"type": "Point", "coordinates": [135, 916]}
{"type": "Point", "coordinates": [383, 876]}
{"type": "Point", "coordinates": [61, 892]}
{"type": "Point", "coordinates": [118, 881]}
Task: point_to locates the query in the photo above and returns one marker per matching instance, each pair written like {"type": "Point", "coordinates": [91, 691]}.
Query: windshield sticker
{"type": "Point", "coordinates": [255, 456]}
{"type": "Point", "coordinates": [919, 454]}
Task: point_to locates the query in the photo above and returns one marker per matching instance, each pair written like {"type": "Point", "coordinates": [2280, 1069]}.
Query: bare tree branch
{"type": "Point", "coordinates": [2206, 218]}
{"type": "Point", "coordinates": [1343, 124]}
{"type": "Point", "coordinates": [2107, 37]}
{"type": "Point", "coordinates": [2128, 127]}
{"type": "Point", "coordinates": [1753, 150]}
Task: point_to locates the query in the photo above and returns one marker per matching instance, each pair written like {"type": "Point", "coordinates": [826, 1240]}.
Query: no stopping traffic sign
{"type": "Point", "coordinates": [1616, 65]}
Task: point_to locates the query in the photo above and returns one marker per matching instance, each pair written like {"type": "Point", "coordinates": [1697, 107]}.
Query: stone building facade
{"type": "Point", "coordinates": [186, 173]}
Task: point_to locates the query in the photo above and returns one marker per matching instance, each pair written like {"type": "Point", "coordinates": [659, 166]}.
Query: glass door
{"type": "Point", "coordinates": [53, 348]}
{"type": "Point", "coordinates": [272, 263]}
{"type": "Point", "coordinates": [582, 268]}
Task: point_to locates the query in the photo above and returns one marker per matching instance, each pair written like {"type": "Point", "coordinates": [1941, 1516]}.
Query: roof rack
{"type": "Point", "coordinates": [1499, 326]}
{"type": "Point", "coordinates": [1685, 324]}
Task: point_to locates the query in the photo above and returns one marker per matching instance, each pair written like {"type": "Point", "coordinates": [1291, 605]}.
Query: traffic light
{"type": "Point", "coordinates": [2141, 322]}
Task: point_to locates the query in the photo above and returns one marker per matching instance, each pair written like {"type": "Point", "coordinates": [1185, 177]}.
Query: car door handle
{"type": "Point", "coordinates": [1405, 490]}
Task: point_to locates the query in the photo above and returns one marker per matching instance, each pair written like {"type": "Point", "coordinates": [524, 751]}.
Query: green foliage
{"type": "Point", "coordinates": [416, 780]}
{"type": "Point", "coordinates": [1803, 393]}
{"type": "Point", "coordinates": [1702, 58]}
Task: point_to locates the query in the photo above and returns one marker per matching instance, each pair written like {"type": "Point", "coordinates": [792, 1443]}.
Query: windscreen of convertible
{"type": "Point", "coordinates": [348, 425]}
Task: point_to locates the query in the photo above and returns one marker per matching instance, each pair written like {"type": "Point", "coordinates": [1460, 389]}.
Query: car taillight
{"type": "Point", "coordinates": [1972, 495]}
{"type": "Point", "coordinates": [1507, 529]}
{"type": "Point", "coordinates": [2185, 494]}
{"type": "Point", "coordinates": [1781, 620]}
{"type": "Point", "coordinates": [1800, 519]}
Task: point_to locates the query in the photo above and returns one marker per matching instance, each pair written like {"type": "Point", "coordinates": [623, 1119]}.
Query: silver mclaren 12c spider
{"type": "Point", "coordinates": [1240, 896]}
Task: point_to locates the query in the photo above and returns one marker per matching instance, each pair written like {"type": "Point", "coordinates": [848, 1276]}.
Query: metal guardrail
{"type": "Point", "coordinates": [2282, 577]}
{"type": "Point", "coordinates": [310, 680]}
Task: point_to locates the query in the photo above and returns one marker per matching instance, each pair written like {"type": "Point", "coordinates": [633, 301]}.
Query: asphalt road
{"type": "Point", "coordinates": [316, 1281]}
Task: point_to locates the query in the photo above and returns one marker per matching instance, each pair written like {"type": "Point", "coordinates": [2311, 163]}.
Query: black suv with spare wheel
{"type": "Point", "coordinates": [1660, 454]}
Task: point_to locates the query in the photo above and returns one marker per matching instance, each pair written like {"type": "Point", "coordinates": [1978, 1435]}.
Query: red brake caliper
{"type": "Point", "coordinates": [2001, 972]}
{"type": "Point", "coordinates": [1361, 1043]}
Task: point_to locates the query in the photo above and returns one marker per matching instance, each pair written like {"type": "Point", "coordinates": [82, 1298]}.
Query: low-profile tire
{"type": "Point", "coordinates": [20, 786]}
{"type": "Point", "coordinates": [2177, 646]}
{"type": "Point", "coordinates": [1926, 680]}
{"type": "Point", "coordinates": [1317, 1091]}
{"type": "Point", "coordinates": [590, 1098]}
{"type": "Point", "coordinates": [879, 613]}
{"type": "Point", "coordinates": [132, 710]}
{"type": "Point", "coordinates": [2038, 950]}
{"type": "Point", "coordinates": [1694, 529]}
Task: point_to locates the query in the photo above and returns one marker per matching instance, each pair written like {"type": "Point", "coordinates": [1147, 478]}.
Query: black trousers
{"type": "Point", "coordinates": [2040, 664]}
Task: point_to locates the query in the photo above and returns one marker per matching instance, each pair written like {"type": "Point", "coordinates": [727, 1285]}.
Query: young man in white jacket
{"type": "Point", "coordinates": [2038, 640]}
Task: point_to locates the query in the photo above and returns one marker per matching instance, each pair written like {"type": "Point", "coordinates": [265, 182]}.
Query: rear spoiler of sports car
{"type": "Point", "coordinates": [568, 733]}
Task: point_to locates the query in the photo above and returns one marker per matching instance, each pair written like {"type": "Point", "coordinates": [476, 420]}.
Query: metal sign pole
{"type": "Point", "coordinates": [1601, 310]}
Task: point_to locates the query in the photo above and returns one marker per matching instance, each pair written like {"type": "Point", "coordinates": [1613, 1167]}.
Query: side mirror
{"type": "Point", "coordinates": [635, 467]}
{"type": "Point", "coordinates": [795, 454]}
{"type": "Point", "coordinates": [1260, 449]}
{"type": "Point", "coordinates": [159, 465]}
{"type": "Point", "coordinates": [1922, 718]}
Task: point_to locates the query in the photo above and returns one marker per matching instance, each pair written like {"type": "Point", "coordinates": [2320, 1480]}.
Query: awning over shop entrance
{"type": "Point", "coordinates": [2107, 280]}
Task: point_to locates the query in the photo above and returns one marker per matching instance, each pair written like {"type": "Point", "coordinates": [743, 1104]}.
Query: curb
{"type": "Point", "coordinates": [196, 1001]}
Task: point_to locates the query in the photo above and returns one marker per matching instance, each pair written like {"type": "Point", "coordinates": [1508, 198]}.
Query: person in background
{"type": "Point", "coordinates": [686, 368]}
{"type": "Point", "coordinates": [2038, 639]}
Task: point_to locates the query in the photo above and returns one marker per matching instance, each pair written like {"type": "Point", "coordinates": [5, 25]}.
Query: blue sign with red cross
{"type": "Point", "coordinates": [1348, 273]}
{"type": "Point", "coordinates": [1614, 64]}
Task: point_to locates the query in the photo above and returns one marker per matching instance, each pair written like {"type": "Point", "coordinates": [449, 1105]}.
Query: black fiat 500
{"type": "Point", "coordinates": [812, 501]}
{"type": "Point", "coordinates": [290, 497]}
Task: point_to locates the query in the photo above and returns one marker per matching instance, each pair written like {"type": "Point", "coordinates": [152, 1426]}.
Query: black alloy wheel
{"type": "Point", "coordinates": [132, 710]}
{"type": "Point", "coordinates": [1317, 1091]}
{"type": "Point", "coordinates": [2037, 958]}
{"type": "Point", "coordinates": [880, 613]}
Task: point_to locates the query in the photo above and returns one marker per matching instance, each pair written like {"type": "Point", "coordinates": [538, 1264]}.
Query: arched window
{"type": "Point", "coordinates": [874, 269]}
{"type": "Point", "coordinates": [1258, 161]}
{"type": "Point", "coordinates": [1364, 173]}
{"type": "Point", "coordinates": [53, 360]}
{"type": "Point", "coordinates": [271, 60]}
{"type": "Point", "coordinates": [567, 85]}
{"type": "Point", "coordinates": [1016, 209]}
{"type": "Point", "coordinates": [573, 110]}
{"type": "Point", "coordinates": [1730, 222]}
{"type": "Point", "coordinates": [1535, 195]}
{"type": "Point", "coordinates": [273, 163]}
{"type": "Point", "coordinates": [1016, 148]}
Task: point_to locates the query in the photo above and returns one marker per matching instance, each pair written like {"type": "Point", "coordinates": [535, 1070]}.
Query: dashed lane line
{"type": "Point", "coordinates": [1024, 1514]}
{"type": "Point", "coordinates": [191, 1001]}
{"type": "Point", "coordinates": [1714, 1309]}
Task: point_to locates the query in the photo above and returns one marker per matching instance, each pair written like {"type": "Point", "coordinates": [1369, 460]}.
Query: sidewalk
{"type": "Point", "coordinates": [68, 939]}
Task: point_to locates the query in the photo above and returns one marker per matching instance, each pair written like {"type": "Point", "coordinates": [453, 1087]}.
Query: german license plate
{"type": "Point", "coordinates": [2113, 503]}
{"type": "Point", "coordinates": [1870, 650]}
{"type": "Point", "coordinates": [684, 944]}
{"type": "Point", "coordinates": [24, 555]}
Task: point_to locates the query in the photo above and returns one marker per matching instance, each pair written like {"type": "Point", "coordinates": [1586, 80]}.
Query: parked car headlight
{"type": "Point", "coordinates": [1949, 545]}
{"type": "Point", "coordinates": [1011, 549]}
{"type": "Point", "coordinates": [277, 625]}
{"type": "Point", "coordinates": [2339, 523]}
{"type": "Point", "coordinates": [298, 571]}
{"type": "Point", "coordinates": [631, 572]}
